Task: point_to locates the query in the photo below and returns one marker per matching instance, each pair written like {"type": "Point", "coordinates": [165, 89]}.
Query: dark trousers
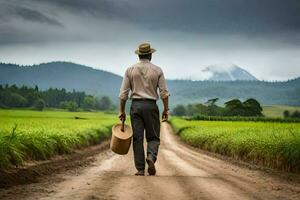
{"type": "Point", "coordinates": [144, 116]}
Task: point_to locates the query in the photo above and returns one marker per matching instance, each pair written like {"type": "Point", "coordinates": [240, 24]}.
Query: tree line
{"type": "Point", "coordinates": [12, 96]}
{"type": "Point", "coordinates": [288, 114]}
{"type": "Point", "coordinates": [234, 107]}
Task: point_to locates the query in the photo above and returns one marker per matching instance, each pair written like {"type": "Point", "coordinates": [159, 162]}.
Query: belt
{"type": "Point", "coordinates": [144, 99]}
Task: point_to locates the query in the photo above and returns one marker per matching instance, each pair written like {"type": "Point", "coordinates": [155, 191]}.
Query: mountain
{"type": "Point", "coordinates": [227, 72]}
{"type": "Point", "coordinates": [62, 75]}
{"type": "Point", "coordinates": [98, 82]}
{"type": "Point", "coordinates": [268, 93]}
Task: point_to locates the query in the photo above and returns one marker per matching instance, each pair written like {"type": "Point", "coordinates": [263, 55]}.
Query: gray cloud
{"type": "Point", "coordinates": [262, 36]}
{"type": "Point", "coordinates": [208, 16]}
{"type": "Point", "coordinates": [34, 16]}
{"type": "Point", "coordinates": [212, 16]}
{"type": "Point", "coordinates": [15, 11]}
{"type": "Point", "coordinates": [96, 8]}
{"type": "Point", "coordinates": [255, 18]}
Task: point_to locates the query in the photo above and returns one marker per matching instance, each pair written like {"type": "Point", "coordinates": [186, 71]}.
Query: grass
{"type": "Point", "coordinates": [274, 145]}
{"type": "Point", "coordinates": [277, 110]}
{"type": "Point", "coordinates": [33, 135]}
{"type": "Point", "coordinates": [242, 118]}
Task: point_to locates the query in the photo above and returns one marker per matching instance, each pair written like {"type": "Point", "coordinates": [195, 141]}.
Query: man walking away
{"type": "Point", "coordinates": [143, 79]}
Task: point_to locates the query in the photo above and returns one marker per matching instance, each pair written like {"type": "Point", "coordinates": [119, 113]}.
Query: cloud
{"type": "Point", "coordinates": [273, 19]}
{"type": "Point", "coordinates": [15, 11]}
{"type": "Point", "coordinates": [112, 9]}
{"type": "Point", "coordinates": [262, 36]}
{"type": "Point", "coordinates": [253, 17]}
{"type": "Point", "coordinates": [246, 17]}
{"type": "Point", "coordinates": [34, 16]}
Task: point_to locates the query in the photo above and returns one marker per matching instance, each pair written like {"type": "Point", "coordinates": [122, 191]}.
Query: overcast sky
{"type": "Point", "coordinates": [261, 36]}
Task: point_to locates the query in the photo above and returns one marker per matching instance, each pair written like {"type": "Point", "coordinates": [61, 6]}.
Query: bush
{"type": "Point", "coordinates": [104, 103]}
{"type": "Point", "coordinates": [14, 100]}
{"type": "Point", "coordinates": [295, 114]}
{"type": "Point", "coordinates": [89, 103]}
{"type": "Point", "coordinates": [286, 114]}
{"type": "Point", "coordinates": [179, 110]}
{"type": "Point", "coordinates": [39, 104]}
{"type": "Point", "coordinates": [69, 105]}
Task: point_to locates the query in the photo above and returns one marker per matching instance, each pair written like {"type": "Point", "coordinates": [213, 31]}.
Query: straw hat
{"type": "Point", "coordinates": [144, 49]}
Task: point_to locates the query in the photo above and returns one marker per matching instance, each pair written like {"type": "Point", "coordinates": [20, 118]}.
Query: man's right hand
{"type": "Point", "coordinates": [122, 116]}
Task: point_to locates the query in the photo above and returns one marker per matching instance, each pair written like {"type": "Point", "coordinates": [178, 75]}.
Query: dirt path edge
{"type": "Point", "coordinates": [33, 172]}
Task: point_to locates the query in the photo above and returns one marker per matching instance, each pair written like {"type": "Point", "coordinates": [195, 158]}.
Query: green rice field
{"type": "Point", "coordinates": [274, 145]}
{"type": "Point", "coordinates": [34, 135]}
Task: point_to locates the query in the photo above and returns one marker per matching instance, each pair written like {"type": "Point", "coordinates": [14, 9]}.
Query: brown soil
{"type": "Point", "coordinates": [183, 172]}
{"type": "Point", "coordinates": [32, 172]}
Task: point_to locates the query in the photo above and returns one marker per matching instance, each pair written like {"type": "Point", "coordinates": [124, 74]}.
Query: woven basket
{"type": "Point", "coordinates": [121, 138]}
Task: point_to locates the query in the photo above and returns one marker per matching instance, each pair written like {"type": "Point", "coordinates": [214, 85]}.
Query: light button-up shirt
{"type": "Point", "coordinates": [143, 80]}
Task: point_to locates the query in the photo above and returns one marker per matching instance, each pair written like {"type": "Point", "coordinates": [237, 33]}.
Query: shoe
{"type": "Point", "coordinates": [140, 173]}
{"type": "Point", "coordinates": [151, 166]}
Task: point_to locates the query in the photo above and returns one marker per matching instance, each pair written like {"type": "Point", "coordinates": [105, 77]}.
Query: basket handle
{"type": "Point", "coordinates": [122, 126]}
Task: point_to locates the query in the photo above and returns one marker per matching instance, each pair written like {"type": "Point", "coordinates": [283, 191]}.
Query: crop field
{"type": "Point", "coordinates": [277, 110]}
{"type": "Point", "coordinates": [275, 145]}
{"type": "Point", "coordinates": [34, 135]}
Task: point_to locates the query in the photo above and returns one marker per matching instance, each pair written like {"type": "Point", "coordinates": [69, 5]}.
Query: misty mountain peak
{"type": "Point", "coordinates": [227, 72]}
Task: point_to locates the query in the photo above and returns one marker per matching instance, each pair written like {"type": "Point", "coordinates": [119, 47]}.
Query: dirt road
{"type": "Point", "coordinates": [182, 173]}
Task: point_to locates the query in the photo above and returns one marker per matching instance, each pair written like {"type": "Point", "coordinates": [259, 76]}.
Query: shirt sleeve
{"type": "Point", "coordinates": [163, 90]}
{"type": "Point", "coordinates": [125, 87]}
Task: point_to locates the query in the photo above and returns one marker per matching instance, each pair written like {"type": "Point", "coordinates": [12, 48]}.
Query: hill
{"type": "Point", "coordinates": [62, 75]}
{"type": "Point", "coordinates": [268, 93]}
{"type": "Point", "coordinates": [82, 78]}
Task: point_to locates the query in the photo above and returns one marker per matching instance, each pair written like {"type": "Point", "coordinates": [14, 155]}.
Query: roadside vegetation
{"type": "Point", "coordinates": [33, 135]}
{"type": "Point", "coordinates": [245, 119]}
{"type": "Point", "coordinates": [274, 145]}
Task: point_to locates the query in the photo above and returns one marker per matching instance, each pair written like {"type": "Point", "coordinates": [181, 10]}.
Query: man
{"type": "Point", "coordinates": [143, 79]}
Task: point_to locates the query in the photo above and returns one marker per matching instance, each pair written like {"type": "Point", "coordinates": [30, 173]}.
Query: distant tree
{"type": "Point", "coordinates": [63, 104]}
{"type": "Point", "coordinates": [89, 103]}
{"type": "Point", "coordinates": [179, 110]}
{"type": "Point", "coordinates": [39, 104]}
{"type": "Point", "coordinates": [199, 109]}
{"type": "Point", "coordinates": [252, 108]}
{"type": "Point", "coordinates": [31, 96]}
{"type": "Point", "coordinates": [212, 102]}
{"type": "Point", "coordinates": [295, 114]}
{"type": "Point", "coordinates": [214, 110]}
{"type": "Point", "coordinates": [234, 108]}
{"type": "Point", "coordinates": [104, 103]}
{"type": "Point", "coordinates": [15, 100]}
{"type": "Point", "coordinates": [14, 96]}
{"type": "Point", "coordinates": [190, 109]}
{"type": "Point", "coordinates": [286, 114]}
{"type": "Point", "coordinates": [69, 105]}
